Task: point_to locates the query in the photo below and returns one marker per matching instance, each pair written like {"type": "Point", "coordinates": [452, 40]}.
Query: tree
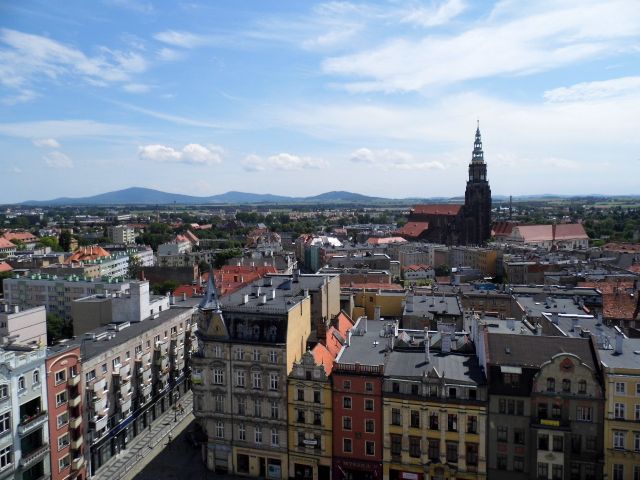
{"type": "Point", "coordinates": [20, 245]}
{"type": "Point", "coordinates": [164, 287]}
{"type": "Point", "coordinates": [442, 270]}
{"type": "Point", "coordinates": [223, 255]}
{"type": "Point", "coordinates": [64, 240]}
{"type": "Point", "coordinates": [58, 328]}
{"type": "Point", "coordinates": [135, 265]}
{"type": "Point", "coordinates": [51, 242]}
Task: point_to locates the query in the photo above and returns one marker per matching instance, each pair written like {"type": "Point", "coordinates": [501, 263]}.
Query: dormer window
{"type": "Point", "coordinates": [551, 384]}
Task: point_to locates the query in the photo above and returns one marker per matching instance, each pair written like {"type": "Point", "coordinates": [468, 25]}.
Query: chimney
{"type": "Point", "coordinates": [172, 299]}
{"type": "Point", "coordinates": [349, 338]}
{"type": "Point", "coordinates": [511, 323]}
{"type": "Point", "coordinates": [446, 342]}
{"type": "Point", "coordinates": [574, 324]}
{"type": "Point", "coordinates": [273, 294]}
{"type": "Point", "coordinates": [245, 299]}
{"type": "Point", "coordinates": [619, 340]}
{"type": "Point", "coordinates": [263, 300]}
{"type": "Point", "coordinates": [376, 312]}
{"type": "Point", "coordinates": [427, 346]}
{"type": "Point", "coordinates": [554, 318]}
{"type": "Point", "coordinates": [184, 296]}
{"type": "Point", "coordinates": [16, 309]}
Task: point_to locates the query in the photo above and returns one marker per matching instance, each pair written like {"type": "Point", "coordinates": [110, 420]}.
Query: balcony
{"type": "Point", "coordinates": [146, 390]}
{"type": "Point", "coordinates": [75, 422]}
{"type": "Point", "coordinates": [123, 374]}
{"type": "Point", "coordinates": [30, 424]}
{"type": "Point", "coordinates": [77, 443]}
{"type": "Point", "coordinates": [99, 423]}
{"type": "Point", "coordinates": [73, 381]}
{"type": "Point", "coordinates": [162, 362]}
{"type": "Point", "coordinates": [97, 386]}
{"type": "Point", "coordinates": [77, 463]}
{"type": "Point", "coordinates": [146, 377]}
{"type": "Point", "coordinates": [75, 401]}
{"type": "Point", "coordinates": [99, 405]}
{"type": "Point", "coordinates": [124, 404]}
{"type": "Point", "coordinates": [35, 456]}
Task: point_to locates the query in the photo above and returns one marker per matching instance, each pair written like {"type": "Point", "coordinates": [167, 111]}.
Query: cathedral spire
{"type": "Point", "coordinates": [478, 154]}
{"type": "Point", "coordinates": [210, 300]}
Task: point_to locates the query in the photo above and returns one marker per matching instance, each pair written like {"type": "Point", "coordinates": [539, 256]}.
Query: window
{"type": "Point", "coordinates": [217, 351]}
{"type": "Point", "coordinates": [242, 432]}
{"type": "Point", "coordinates": [257, 435]}
{"type": "Point", "coordinates": [317, 418]}
{"type": "Point", "coordinates": [566, 385]}
{"type": "Point", "coordinates": [5, 422]}
{"type": "Point", "coordinates": [543, 441]}
{"type": "Point", "coordinates": [61, 376]}
{"type": "Point", "coordinates": [415, 419]}
{"type": "Point", "coordinates": [242, 405]}
{"type": "Point", "coordinates": [636, 442]}
{"type": "Point", "coordinates": [218, 404]}
{"type": "Point", "coordinates": [636, 472]}
{"type": "Point", "coordinates": [452, 452]}
{"type": "Point", "coordinates": [89, 376]}
{"type": "Point", "coordinates": [138, 349]}
{"type": "Point", "coordinates": [556, 472]}
{"type": "Point", "coordinates": [472, 424]}
{"type": "Point", "coordinates": [104, 368]}
{"type": "Point", "coordinates": [64, 462]}
{"type": "Point", "coordinates": [518, 436]}
{"type": "Point", "coordinates": [273, 381]}
{"type": "Point", "coordinates": [256, 355]}
{"type": "Point", "coordinates": [637, 388]}
{"type": "Point", "coordinates": [240, 378]}
{"type": "Point", "coordinates": [218, 376]}
{"type": "Point", "coordinates": [618, 471]}
{"type": "Point", "coordinates": [503, 433]}
{"type": "Point", "coordinates": [219, 430]}
{"type": "Point", "coordinates": [275, 438]}
{"type": "Point", "coordinates": [368, 387]}
{"type": "Point", "coordinates": [396, 445]}
{"type": "Point", "coordinates": [368, 404]}
{"type": "Point", "coordinates": [61, 398]}
{"type": "Point", "coordinates": [116, 362]}
{"type": "Point", "coordinates": [621, 387]}
{"type": "Point", "coordinates": [591, 442]}
{"type": "Point", "coordinates": [346, 384]}
{"type": "Point", "coordinates": [584, 414]}
{"type": "Point", "coordinates": [36, 377]}
{"type": "Point", "coordinates": [511, 407]}
{"type": "Point", "coordinates": [501, 461]}
{"type": "Point", "coordinates": [472, 454]}
{"type": "Point", "coordinates": [6, 457]}
{"type": "Point", "coordinates": [301, 416]}
{"type": "Point", "coordinates": [452, 392]}
{"type": "Point", "coordinates": [256, 379]}
{"type": "Point", "coordinates": [257, 408]}
{"type": "Point", "coordinates": [21, 383]}
{"type": "Point", "coordinates": [127, 355]}
{"type": "Point", "coordinates": [511, 379]}
{"type": "Point", "coordinates": [346, 423]}
{"type": "Point", "coordinates": [347, 446]}
{"type": "Point", "coordinates": [63, 419]}
{"type": "Point", "coordinates": [558, 443]}
{"type": "Point", "coordinates": [637, 416]}
{"type": "Point", "coordinates": [433, 421]}
{"type": "Point", "coordinates": [369, 426]}
{"type": "Point", "coordinates": [520, 407]}
{"type": "Point", "coordinates": [346, 402]}
{"type": "Point", "coordinates": [543, 410]}
{"type": "Point", "coordinates": [452, 422]}
{"type": "Point", "coordinates": [434, 449]}
{"type": "Point", "coordinates": [618, 440]}
{"type": "Point", "coordinates": [369, 448]}
{"type": "Point", "coordinates": [414, 447]}
{"type": "Point", "coordinates": [551, 385]}
{"type": "Point", "coordinates": [502, 406]}
{"type": "Point", "coordinates": [239, 354]}
{"type": "Point", "coordinates": [543, 470]}
{"type": "Point", "coordinates": [4, 391]}
{"type": "Point", "coordinates": [618, 411]}
{"type": "Point", "coordinates": [582, 386]}
{"type": "Point", "coordinates": [300, 395]}
{"type": "Point", "coordinates": [574, 472]}
{"type": "Point", "coordinates": [414, 389]}
{"type": "Point", "coordinates": [275, 410]}
{"type": "Point", "coordinates": [316, 396]}
{"type": "Point", "coordinates": [518, 464]}
{"type": "Point", "coordinates": [556, 411]}
{"type": "Point", "coordinates": [273, 356]}
{"type": "Point", "coordinates": [396, 416]}
{"type": "Point", "coordinates": [63, 441]}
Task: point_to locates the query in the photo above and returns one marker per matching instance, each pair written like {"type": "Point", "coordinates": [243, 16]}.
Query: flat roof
{"type": "Point", "coordinates": [453, 366]}
{"type": "Point", "coordinates": [536, 308]}
{"type": "Point", "coordinates": [366, 348]}
{"type": "Point", "coordinates": [433, 304]}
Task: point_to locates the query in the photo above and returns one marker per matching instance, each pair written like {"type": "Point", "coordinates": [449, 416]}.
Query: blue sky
{"type": "Point", "coordinates": [299, 98]}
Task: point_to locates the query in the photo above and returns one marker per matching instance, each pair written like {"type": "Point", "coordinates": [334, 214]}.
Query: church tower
{"type": "Point", "coordinates": [477, 198]}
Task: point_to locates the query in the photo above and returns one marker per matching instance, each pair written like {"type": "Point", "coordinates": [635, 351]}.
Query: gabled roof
{"type": "Point", "coordinates": [413, 229]}
{"type": "Point", "coordinates": [5, 267]}
{"type": "Point", "coordinates": [22, 236]}
{"type": "Point", "coordinates": [417, 268]}
{"type": "Point", "coordinates": [438, 209]}
{"type": "Point", "coordinates": [84, 254]}
{"type": "Point", "coordinates": [542, 233]}
{"type": "Point", "coordinates": [324, 357]}
{"type": "Point", "coordinates": [4, 243]}
{"type": "Point", "coordinates": [503, 229]}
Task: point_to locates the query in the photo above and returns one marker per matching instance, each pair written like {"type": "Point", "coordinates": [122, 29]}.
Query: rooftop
{"type": "Point", "coordinates": [452, 366]}
{"type": "Point", "coordinates": [433, 304]}
{"type": "Point", "coordinates": [366, 346]}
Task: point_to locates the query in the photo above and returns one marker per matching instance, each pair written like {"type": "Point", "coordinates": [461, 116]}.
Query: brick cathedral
{"type": "Point", "coordinates": [457, 224]}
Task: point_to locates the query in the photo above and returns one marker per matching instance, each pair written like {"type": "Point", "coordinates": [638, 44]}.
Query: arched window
{"type": "Point", "coordinates": [21, 383]}
{"type": "Point", "coordinates": [36, 376]}
{"type": "Point", "coordinates": [566, 385]}
{"type": "Point", "coordinates": [582, 386]}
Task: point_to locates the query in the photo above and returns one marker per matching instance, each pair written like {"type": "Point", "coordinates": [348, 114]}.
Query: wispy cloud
{"type": "Point", "coordinates": [194, 154]}
{"type": "Point", "coordinates": [181, 39]}
{"type": "Point", "coordinates": [388, 159]}
{"type": "Point", "coordinates": [58, 160]}
{"type": "Point", "coordinates": [517, 45]}
{"type": "Point", "coordinates": [26, 59]}
{"type": "Point", "coordinates": [594, 90]}
{"type": "Point", "coordinates": [434, 15]}
{"type": "Point", "coordinates": [67, 129]}
{"type": "Point", "coordinates": [177, 119]}
{"type": "Point", "coordinates": [138, 6]}
{"type": "Point", "coordinates": [136, 88]}
{"type": "Point", "coordinates": [282, 161]}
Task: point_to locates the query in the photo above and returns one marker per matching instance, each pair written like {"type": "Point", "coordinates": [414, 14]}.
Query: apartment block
{"type": "Point", "coordinates": [26, 327]}
{"type": "Point", "coordinates": [121, 234]}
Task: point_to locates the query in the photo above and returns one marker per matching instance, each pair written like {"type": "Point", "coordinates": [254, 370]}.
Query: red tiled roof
{"type": "Point", "coordinates": [415, 268]}
{"type": "Point", "coordinates": [503, 229]}
{"type": "Point", "coordinates": [189, 290]}
{"type": "Point", "coordinates": [413, 229]}
{"type": "Point", "coordinates": [437, 209]}
{"type": "Point", "coordinates": [540, 233]}
{"type": "Point", "coordinates": [608, 286]}
{"type": "Point", "coordinates": [191, 237]}
{"type": "Point", "coordinates": [619, 306]}
{"type": "Point", "coordinates": [385, 240]}
{"type": "Point", "coordinates": [622, 247]}
{"type": "Point", "coordinates": [634, 268]}
{"type": "Point", "coordinates": [343, 323]}
{"type": "Point", "coordinates": [4, 243]}
{"type": "Point", "coordinates": [86, 254]}
{"type": "Point", "coordinates": [22, 236]}
{"type": "Point", "coordinates": [230, 278]}
{"type": "Point", "coordinates": [323, 357]}
{"type": "Point", "coordinates": [5, 267]}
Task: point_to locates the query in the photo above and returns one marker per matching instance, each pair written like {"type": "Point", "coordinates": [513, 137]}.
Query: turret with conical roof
{"type": "Point", "coordinates": [210, 300]}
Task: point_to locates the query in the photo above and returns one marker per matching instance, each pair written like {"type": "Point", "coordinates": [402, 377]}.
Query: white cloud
{"type": "Point", "coordinates": [392, 159]}
{"type": "Point", "coordinates": [193, 153]}
{"type": "Point", "coordinates": [181, 39]}
{"type": "Point", "coordinates": [66, 129]}
{"type": "Point", "coordinates": [46, 143]}
{"type": "Point", "coordinates": [58, 160]}
{"type": "Point", "coordinates": [136, 88]}
{"type": "Point", "coordinates": [594, 90]}
{"type": "Point", "coordinates": [435, 15]}
{"type": "Point", "coordinates": [15, 170]}
{"type": "Point", "coordinates": [25, 95]}
{"type": "Point", "coordinates": [533, 42]}
{"type": "Point", "coordinates": [27, 58]}
{"type": "Point", "coordinates": [177, 119]}
{"type": "Point", "coordinates": [169, 54]}
{"type": "Point", "coordinates": [139, 6]}
{"type": "Point", "coordinates": [282, 161]}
